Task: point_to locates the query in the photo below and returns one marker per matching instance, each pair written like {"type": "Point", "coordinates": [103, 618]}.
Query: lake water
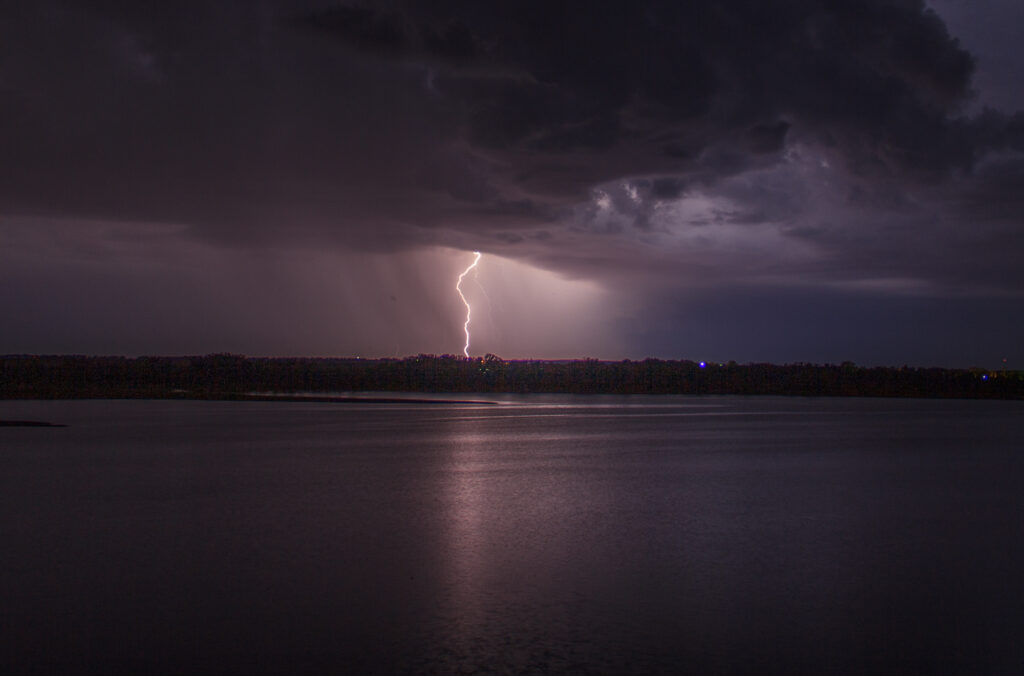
{"type": "Point", "coordinates": [544, 534]}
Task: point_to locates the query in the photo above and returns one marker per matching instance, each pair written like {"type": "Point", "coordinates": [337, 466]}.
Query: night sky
{"type": "Point", "coordinates": [796, 180]}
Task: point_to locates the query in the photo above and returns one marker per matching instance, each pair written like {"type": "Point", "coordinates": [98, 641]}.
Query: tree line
{"type": "Point", "coordinates": [219, 375]}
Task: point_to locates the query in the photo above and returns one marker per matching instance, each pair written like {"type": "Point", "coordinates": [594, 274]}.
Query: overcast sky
{"type": "Point", "coordinates": [797, 180]}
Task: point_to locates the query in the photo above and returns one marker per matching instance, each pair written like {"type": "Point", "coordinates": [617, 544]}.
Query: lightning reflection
{"type": "Point", "coordinates": [458, 287]}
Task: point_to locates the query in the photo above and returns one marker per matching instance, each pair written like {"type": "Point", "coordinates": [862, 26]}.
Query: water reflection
{"type": "Point", "coordinates": [871, 536]}
{"type": "Point", "coordinates": [465, 505]}
{"type": "Point", "coordinates": [511, 505]}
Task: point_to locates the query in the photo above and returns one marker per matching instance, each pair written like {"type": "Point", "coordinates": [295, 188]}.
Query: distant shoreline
{"type": "Point", "coordinates": [228, 377]}
{"type": "Point", "coordinates": [290, 398]}
{"type": "Point", "coordinates": [28, 423]}
{"type": "Point", "coordinates": [217, 396]}
{"type": "Point", "coordinates": [341, 399]}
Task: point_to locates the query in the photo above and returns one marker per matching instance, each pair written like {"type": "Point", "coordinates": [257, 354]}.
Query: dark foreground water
{"type": "Point", "coordinates": [548, 534]}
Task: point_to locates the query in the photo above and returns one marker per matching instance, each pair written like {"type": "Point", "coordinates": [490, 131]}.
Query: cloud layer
{"type": "Point", "coordinates": [664, 150]}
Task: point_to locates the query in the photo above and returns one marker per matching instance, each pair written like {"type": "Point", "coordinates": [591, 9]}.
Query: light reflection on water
{"type": "Point", "coordinates": [564, 534]}
{"type": "Point", "coordinates": [466, 540]}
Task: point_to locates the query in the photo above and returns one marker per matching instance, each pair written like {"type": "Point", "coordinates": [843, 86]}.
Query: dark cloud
{"type": "Point", "coordinates": [563, 75]}
{"type": "Point", "coordinates": [238, 101]}
{"type": "Point", "coordinates": [394, 34]}
{"type": "Point", "coordinates": [650, 145]}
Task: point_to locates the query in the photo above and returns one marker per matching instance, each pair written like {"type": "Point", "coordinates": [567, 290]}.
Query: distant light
{"type": "Point", "coordinates": [985, 377]}
{"type": "Point", "coordinates": [702, 364]}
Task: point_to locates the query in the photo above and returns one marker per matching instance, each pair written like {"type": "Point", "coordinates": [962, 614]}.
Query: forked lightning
{"type": "Point", "coordinates": [458, 287]}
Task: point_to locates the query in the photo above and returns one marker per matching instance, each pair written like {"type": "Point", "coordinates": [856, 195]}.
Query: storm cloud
{"type": "Point", "coordinates": [669, 152]}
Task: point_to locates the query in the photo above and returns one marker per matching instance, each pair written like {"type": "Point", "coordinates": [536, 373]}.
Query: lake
{"type": "Point", "coordinates": [567, 534]}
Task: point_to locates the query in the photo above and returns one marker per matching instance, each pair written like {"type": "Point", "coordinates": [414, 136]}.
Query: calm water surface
{"type": "Point", "coordinates": [545, 534]}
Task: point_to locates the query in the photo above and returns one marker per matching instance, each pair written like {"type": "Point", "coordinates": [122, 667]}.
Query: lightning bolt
{"type": "Point", "coordinates": [458, 287]}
